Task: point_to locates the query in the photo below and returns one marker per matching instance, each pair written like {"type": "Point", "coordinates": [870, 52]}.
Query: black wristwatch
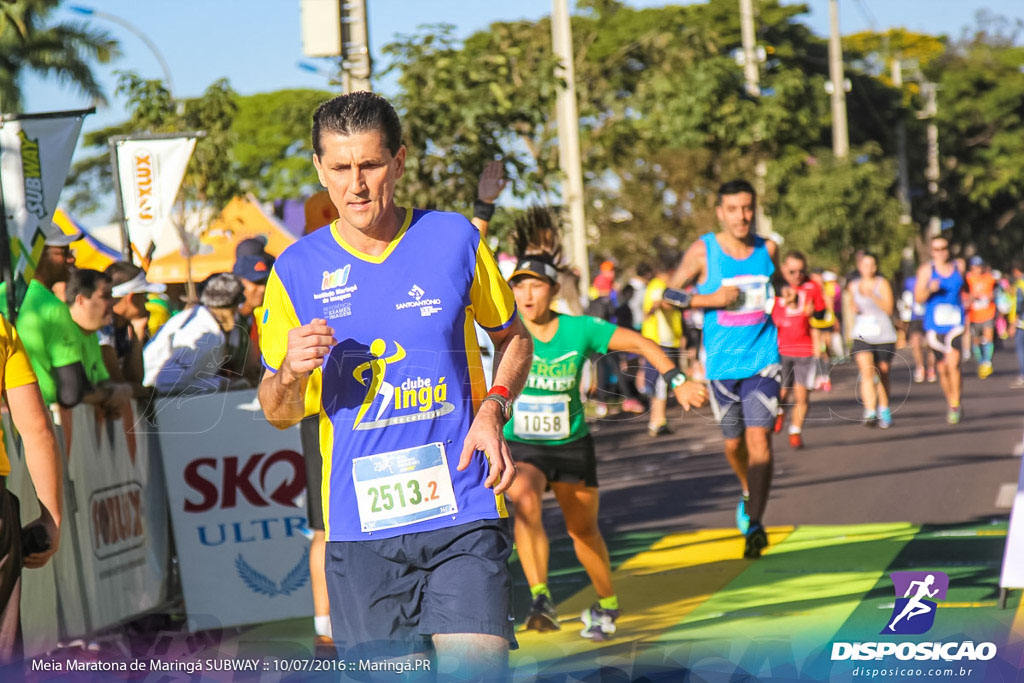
{"type": "Point", "coordinates": [674, 378]}
{"type": "Point", "coordinates": [503, 398]}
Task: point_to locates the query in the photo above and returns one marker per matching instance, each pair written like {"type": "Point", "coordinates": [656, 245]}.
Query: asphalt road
{"type": "Point", "coordinates": [921, 470]}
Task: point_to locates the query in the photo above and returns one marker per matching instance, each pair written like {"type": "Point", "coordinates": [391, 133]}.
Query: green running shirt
{"type": "Point", "coordinates": [50, 336]}
{"type": "Point", "coordinates": [550, 411]}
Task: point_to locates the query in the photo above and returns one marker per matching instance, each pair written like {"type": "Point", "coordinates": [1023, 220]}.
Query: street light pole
{"type": "Point", "coordinates": [840, 133]}
{"type": "Point", "coordinates": [90, 12]}
{"type": "Point", "coordinates": [569, 138]}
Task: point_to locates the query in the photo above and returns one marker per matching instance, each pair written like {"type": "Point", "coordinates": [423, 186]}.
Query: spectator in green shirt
{"type": "Point", "coordinates": [88, 295]}
{"type": "Point", "coordinates": [46, 328]}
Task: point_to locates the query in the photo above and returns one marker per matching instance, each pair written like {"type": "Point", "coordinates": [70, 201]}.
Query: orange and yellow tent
{"type": "Point", "coordinates": [89, 252]}
{"type": "Point", "coordinates": [241, 218]}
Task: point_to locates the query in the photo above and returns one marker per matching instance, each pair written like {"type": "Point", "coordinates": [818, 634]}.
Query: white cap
{"type": "Point", "coordinates": [137, 285]}
{"type": "Point", "coordinates": [60, 239]}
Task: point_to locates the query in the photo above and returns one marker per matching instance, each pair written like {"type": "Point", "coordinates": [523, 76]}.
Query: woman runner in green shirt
{"type": "Point", "coordinates": [548, 433]}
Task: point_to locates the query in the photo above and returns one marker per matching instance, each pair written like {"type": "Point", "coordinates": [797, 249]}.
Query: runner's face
{"type": "Point", "coordinates": [867, 267]}
{"type": "Point", "coordinates": [360, 174]}
{"type": "Point", "coordinates": [56, 263]}
{"type": "Point", "coordinates": [533, 297]}
{"type": "Point", "coordinates": [253, 295]}
{"type": "Point", "coordinates": [97, 310]}
{"type": "Point", "coordinates": [793, 271]}
{"type": "Point", "coordinates": [940, 251]}
{"type": "Point", "coordinates": [736, 213]}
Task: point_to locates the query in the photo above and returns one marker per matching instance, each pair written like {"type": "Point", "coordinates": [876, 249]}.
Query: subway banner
{"type": "Point", "coordinates": [236, 488]}
{"type": "Point", "coordinates": [150, 171]}
{"type": "Point", "coordinates": [35, 154]}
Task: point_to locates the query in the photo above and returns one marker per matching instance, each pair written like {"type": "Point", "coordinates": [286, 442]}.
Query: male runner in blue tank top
{"type": "Point", "coordinates": [734, 270]}
{"type": "Point", "coordinates": [940, 287]}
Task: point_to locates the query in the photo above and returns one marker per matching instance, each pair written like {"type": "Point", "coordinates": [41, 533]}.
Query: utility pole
{"type": "Point", "coordinates": [751, 71]}
{"type": "Point", "coordinates": [356, 65]}
{"type": "Point", "coordinates": [337, 28]}
{"type": "Point", "coordinates": [569, 138]}
{"type": "Point", "coordinates": [931, 109]}
{"type": "Point", "coordinates": [752, 78]}
{"type": "Point", "coordinates": [840, 133]}
{"type": "Point", "coordinates": [903, 184]}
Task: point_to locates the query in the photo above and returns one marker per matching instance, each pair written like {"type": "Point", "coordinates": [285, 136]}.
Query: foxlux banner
{"type": "Point", "coordinates": [35, 154]}
{"type": "Point", "coordinates": [236, 488]}
{"type": "Point", "coordinates": [150, 171]}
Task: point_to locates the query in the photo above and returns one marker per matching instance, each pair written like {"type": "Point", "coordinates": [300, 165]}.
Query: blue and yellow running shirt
{"type": "Point", "coordinates": [400, 389]}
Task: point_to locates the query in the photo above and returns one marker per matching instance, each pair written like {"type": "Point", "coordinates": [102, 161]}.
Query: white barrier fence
{"type": "Point", "coordinates": [236, 488]}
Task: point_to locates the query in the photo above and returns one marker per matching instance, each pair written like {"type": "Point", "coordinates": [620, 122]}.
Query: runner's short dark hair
{"type": "Point", "coordinates": [735, 187]}
{"type": "Point", "coordinates": [83, 281]}
{"type": "Point", "coordinates": [120, 272]}
{"type": "Point", "coordinates": [796, 254]}
{"type": "Point", "coordinates": [357, 112]}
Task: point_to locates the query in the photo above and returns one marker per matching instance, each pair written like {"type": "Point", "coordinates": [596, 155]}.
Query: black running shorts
{"type": "Point", "coordinates": [389, 596]}
{"type": "Point", "coordinates": [572, 462]}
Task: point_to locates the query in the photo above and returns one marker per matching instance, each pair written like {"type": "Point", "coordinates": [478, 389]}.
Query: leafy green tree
{"type": "Point", "coordinates": [834, 207]}
{"type": "Point", "coordinates": [210, 178]}
{"type": "Point", "coordinates": [272, 150]}
{"type": "Point", "coordinates": [981, 129]}
{"type": "Point", "coordinates": [30, 42]}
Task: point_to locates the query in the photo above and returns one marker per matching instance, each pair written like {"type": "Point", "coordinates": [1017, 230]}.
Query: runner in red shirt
{"type": "Point", "coordinates": [800, 300]}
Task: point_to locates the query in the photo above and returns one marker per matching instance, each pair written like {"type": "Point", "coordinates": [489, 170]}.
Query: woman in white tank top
{"type": "Point", "coordinates": [874, 340]}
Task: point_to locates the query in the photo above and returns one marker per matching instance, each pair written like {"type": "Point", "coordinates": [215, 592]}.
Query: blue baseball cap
{"type": "Point", "coordinates": [254, 267]}
{"type": "Point", "coordinates": [977, 261]}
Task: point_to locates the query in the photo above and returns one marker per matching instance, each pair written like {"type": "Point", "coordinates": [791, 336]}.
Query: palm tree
{"type": "Point", "coordinates": [29, 43]}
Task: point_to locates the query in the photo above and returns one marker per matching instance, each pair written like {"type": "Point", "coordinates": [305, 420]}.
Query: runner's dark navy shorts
{"type": "Point", "coordinates": [749, 402]}
{"type": "Point", "coordinates": [389, 596]}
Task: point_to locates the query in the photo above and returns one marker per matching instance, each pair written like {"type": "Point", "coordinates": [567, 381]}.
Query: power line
{"type": "Point", "coordinates": [868, 16]}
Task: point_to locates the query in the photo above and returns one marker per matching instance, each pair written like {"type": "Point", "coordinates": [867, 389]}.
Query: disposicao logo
{"type": "Point", "coordinates": [916, 593]}
{"type": "Point", "coordinates": [913, 613]}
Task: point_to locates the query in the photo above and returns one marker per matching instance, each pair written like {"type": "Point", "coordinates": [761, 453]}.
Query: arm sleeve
{"type": "Point", "coordinates": [490, 295]}
{"type": "Point", "coordinates": [599, 333]}
{"type": "Point", "coordinates": [277, 318]}
{"type": "Point", "coordinates": [17, 370]}
{"type": "Point", "coordinates": [72, 384]}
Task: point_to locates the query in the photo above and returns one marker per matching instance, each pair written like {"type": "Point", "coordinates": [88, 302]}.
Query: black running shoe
{"type": "Point", "coordinates": [757, 540]}
{"type": "Point", "coordinates": [543, 616]}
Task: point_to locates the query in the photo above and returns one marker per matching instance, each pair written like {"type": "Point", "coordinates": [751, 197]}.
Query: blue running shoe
{"type": "Point", "coordinates": [884, 418]}
{"type": "Point", "coordinates": [742, 518]}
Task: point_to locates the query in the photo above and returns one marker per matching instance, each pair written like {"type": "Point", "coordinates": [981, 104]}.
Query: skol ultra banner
{"type": "Point", "coordinates": [35, 154]}
{"type": "Point", "coordinates": [151, 172]}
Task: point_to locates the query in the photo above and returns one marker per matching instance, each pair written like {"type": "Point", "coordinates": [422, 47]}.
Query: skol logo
{"type": "Point", "coordinates": [116, 516]}
{"type": "Point", "coordinates": [220, 482]}
{"type": "Point", "coordinates": [142, 171]}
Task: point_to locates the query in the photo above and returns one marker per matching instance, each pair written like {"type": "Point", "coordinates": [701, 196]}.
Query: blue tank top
{"type": "Point", "coordinates": [741, 341]}
{"type": "Point", "coordinates": [944, 310]}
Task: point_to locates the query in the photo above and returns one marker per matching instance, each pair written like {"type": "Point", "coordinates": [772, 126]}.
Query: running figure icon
{"type": "Point", "coordinates": [915, 606]}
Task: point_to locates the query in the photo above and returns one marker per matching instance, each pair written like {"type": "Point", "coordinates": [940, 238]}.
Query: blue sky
{"type": "Point", "coordinates": [256, 44]}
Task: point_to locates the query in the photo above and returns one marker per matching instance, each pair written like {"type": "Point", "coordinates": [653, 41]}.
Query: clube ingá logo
{"type": "Point", "coordinates": [917, 594]}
